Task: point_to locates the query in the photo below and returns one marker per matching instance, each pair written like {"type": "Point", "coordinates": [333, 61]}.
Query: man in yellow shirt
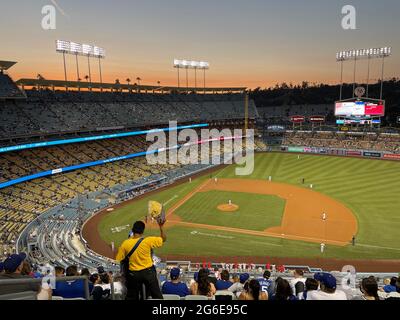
{"type": "Point", "coordinates": [141, 269]}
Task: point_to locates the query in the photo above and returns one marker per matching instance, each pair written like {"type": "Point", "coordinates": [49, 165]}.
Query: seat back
{"type": "Point", "coordinates": [25, 295]}
{"type": "Point", "coordinates": [224, 295]}
{"type": "Point", "coordinates": [196, 297]}
{"type": "Point", "coordinates": [171, 297]}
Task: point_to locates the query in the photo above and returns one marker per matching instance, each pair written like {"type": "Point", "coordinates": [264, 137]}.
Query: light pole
{"type": "Point", "coordinates": [192, 65]}
{"type": "Point", "coordinates": [369, 53]}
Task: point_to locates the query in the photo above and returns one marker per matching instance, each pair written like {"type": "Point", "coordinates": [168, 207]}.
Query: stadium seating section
{"type": "Point", "coordinates": [8, 89]}
{"type": "Point", "coordinates": [47, 112]}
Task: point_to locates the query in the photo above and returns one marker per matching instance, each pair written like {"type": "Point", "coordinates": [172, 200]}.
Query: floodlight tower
{"type": "Point", "coordinates": [371, 53]}
{"type": "Point", "coordinates": [83, 50]}
{"type": "Point", "coordinates": [191, 65]}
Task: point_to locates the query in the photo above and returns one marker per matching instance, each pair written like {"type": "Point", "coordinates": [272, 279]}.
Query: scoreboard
{"type": "Point", "coordinates": [359, 109]}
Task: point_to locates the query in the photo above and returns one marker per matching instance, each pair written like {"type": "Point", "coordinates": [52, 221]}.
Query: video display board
{"type": "Point", "coordinates": [359, 109]}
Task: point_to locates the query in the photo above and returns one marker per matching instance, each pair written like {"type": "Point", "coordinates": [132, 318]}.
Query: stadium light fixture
{"type": "Point", "coordinates": [90, 51]}
{"type": "Point", "coordinates": [358, 54]}
{"type": "Point", "coordinates": [382, 52]}
{"type": "Point", "coordinates": [189, 64]}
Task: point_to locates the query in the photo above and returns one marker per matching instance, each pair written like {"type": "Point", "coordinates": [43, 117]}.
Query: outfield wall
{"type": "Point", "coordinates": [371, 154]}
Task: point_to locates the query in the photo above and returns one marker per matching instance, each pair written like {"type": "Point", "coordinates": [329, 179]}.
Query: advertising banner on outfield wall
{"type": "Point", "coordinates": [337, 152]}
{"type": "Point", "coordinates": [354, 153]}
{"type": "Point", "coordinates": [315, 150]}
{"type": "Point", "coordinates": [392, 156]}
{"type": "Point", "coordinates": [295, 149]}
{"type": "Point", "coordinates": [372, 154]}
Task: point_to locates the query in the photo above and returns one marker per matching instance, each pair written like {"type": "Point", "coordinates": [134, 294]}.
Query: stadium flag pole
{"type": "Point", "coordinates": [65, 71]}
{"type": "Point", "coordinates": [369, 62]}
{"type": "Point", "coordinates": [204, 80]}
{"type": "Point", "coordinates": [246, 113]}
{"type": "Point", "coordinates": [178, 77]}
{"type": "Point", "coordinates": [354, 76]}
{"type": "Point", "coordinates": [77, 67]}
{"type": "Point", "coordinates": [90, 76]}
{"type": "Point", "coordinates": [187, 80]}
{"type": "Point", "coordinates": [383, 67]}
{"type": "Point", "coordinates": [195, 78]}
{"type": "Point", "coordinates": [101, 78]}
{"type": "Point", "coordinates": [341, 79]}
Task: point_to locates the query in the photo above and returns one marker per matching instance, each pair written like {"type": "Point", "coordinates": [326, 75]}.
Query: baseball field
{"type": "Point", "coordinates": [273, 213]}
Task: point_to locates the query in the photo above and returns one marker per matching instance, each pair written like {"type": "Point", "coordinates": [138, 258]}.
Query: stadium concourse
{"type": "Point", "coordinates": [43, 215]}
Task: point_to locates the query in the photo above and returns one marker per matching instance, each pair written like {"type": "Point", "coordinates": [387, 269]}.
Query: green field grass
{"type": "Point", "coordinates": [264, 211]}
{"type": "Point", "coordinates": [370, 188]}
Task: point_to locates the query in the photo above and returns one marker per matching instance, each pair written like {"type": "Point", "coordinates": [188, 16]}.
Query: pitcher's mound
{"type": "Point", "coordinates": [225, 207]}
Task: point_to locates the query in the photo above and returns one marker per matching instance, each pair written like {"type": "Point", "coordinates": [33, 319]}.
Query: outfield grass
{"type": "Point", "coordinates": [370, 188]}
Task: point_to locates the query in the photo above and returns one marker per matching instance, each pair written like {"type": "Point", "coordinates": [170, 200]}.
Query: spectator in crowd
{"type": "Point", "coordinates": [394, 295]}
{"type": "Point", "coordinates": [297, 288]}
{"type": "Point", "coordinates": [391, 287]}
{"type": "Point", "coordinates": [72, 288]}
{"type": "Point", "coordinates": [252, 291]}
{"type": "Point", "coordinates": [328, 291]}
{"type": "Point", "coordinates": [102, 288]}
{"type": "Point", "coordinates": [203, 286]}
{"type": "Point", "coordinates": [213, 276]}
{"type": "Point", "coordinates": [27, 269]}
{"type": "Point", "coordinates": [224, 283]}
{"type": "Point", "coordinates": [1, 267]}
{"type": "Point", "coordinates": [141, 269]}
{"type": "Point", "coordinates": [238, 287]}
{"type": "Point", "coordinates": [195, 278]}
{"type": "Point", "coordinates": [85, 272]}
{"type": "Point", "coordinates": [175, 286]}
{"type": "Point", "coordinates": [283, 291]}
{"type": "Point", "coordinates": [235, 278]}
{"type": "Point", "coordinates": [60, 271]}
{"type": "Point", "coordinates": [369, 289]}
{"type": "Point", "coordinates": [310, 285]}
{"type": "Point", "coordinates": [13, 265]}
{"type": "Point", "coordinates": [267, 285]}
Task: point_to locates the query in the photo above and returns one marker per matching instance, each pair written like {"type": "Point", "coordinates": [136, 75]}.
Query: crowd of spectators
{"type": "Point", "coordinates": [378, 142]}
{"type": "Point", "coordinates": [214, 284]}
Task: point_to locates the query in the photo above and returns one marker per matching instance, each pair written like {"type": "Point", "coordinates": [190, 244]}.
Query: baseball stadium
{"type": "Point", "coordinates": [293, 181]}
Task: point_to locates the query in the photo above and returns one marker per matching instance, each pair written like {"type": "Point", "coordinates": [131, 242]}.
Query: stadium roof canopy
{"type": "Point", "coordinates": [5, 65]}
{"type": "Point", "coordinates": [53, 84]}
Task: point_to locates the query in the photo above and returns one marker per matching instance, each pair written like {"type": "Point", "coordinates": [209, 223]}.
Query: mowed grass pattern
{"type": "Point", "coordinates": [256, 212]}
{"type": "Point", "coordinates": [370, 188]}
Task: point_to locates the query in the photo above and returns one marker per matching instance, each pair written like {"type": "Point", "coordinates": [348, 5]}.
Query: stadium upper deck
{"type": "Point", "coordinates": [46, 112]}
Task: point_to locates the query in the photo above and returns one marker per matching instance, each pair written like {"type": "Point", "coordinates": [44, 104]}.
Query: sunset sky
{"type": "Point", "coordinates": [248, 43]}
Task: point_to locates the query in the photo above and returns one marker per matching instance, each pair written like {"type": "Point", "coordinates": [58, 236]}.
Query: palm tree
{"type": "Point", "coordinates": [158, 82]}
{"type": "Point", "coordinates": [87, 78]}
{"type": "Point", "coordinates": [129, 81]}
{"type": "Point", "coordinates": [138, 80]}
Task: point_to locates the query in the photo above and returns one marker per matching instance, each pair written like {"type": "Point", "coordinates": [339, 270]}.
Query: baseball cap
{"type": "Point", "coordinates": [327, 279]}
{"type": "Point", "coordinates": [244, 277]}
{"type": "Point", "coordinates": [13, 261]}
{"type": "Point", "coordinates": [174, 273]}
